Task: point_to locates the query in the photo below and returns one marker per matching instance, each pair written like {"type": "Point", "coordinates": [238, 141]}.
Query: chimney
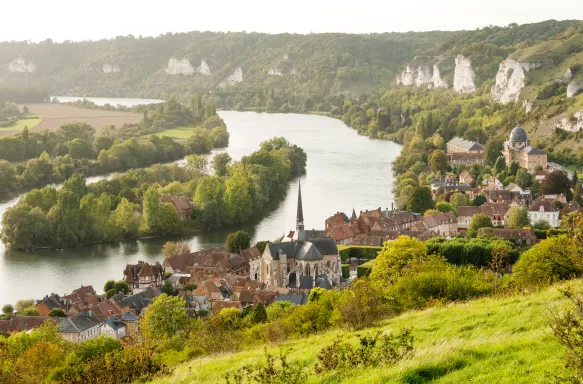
{"type": "Point", "coordinates": [110, 312]}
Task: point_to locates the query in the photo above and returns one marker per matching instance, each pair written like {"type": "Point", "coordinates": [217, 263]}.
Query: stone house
{"type": "Point", "coordinates": [182, 205]}
{"type": "Point", "coordinates": [80, 327]}
{"type": "Point", "coordinates": [342, 235]}
{"type": "Point", "coordinates": [517, 235]}
{"type": "Point", "coordinates": [113, 327]}
{"type": "Point", "coordinates": [460, 158]}
{"type": "Point", "coordinates": [48, 303]}
{"type": "Point", "coordinates": [518, 149]}
{"type": "Point", "coordinates": [459, 145]}
{"type": "Point", "coordinates": [545, 210]}
{"type": "Point", "coordinates": [21, 323]}
{"type": "Point", "coordinates": [444, 224]}
{"type": "Point", "coordinates": [497, 212]}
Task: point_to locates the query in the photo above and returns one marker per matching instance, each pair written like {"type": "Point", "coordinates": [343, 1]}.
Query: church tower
{"type": "Point", "coordinates": [300, 234]}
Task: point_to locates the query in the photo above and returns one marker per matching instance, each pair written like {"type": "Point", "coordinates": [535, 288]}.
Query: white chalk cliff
{"type": "Point", "coordinates": [464, 77]}
{"type": "Point", "coordinates": [421, 75]}
{"type": "Point", "coordinates": [203, 68]}
{"type": "Point", "coordinates": [573, 88]}
{"type": "Point", "coordinates": [510, 80]}
{"type": "Point", "coordinates": [571, 125]}
{"type": "Point", "coordinates": [179, 67]}
{"type": "Point", "coordinates": [236, 77]}
{"type": "Point", "coordinates": [108, 68]}
{"type": "Point", "coordinates": [436, 78]}
{"type": "Point", "coordinates": [274, 71]}
{"type": "Point", "coordinates": [20, 65]}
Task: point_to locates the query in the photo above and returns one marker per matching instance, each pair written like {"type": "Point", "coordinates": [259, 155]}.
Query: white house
{"type": "Point", "coordinates": [113, 327]}
{"type": "Point", "coordinates": [80, 327]}
{"type": "Point", "coordinates": [544, 210]}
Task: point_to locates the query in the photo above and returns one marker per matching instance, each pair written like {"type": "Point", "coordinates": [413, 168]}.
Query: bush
{"type": "Point", "coordinates": [346, 271]}
{"type": "Point", "coordinates": [275, 370]}
{"type": "Point", "coordinates": [364, 269]}
{"type": "Point", "coordinates": [361, 305]}
{"type": "Point", "coordinates": [367, 253]}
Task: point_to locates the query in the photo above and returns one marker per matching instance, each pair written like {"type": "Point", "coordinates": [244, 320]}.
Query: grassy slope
{"type": "Point", "coordinates": [178, 132]}
{"type": "Point", "coordinates": [19, 126]}
{"type": "Point", "coordinates": [484, 341]}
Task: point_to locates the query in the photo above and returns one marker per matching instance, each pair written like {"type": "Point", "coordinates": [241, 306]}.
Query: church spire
{"type": "Point", "coordinates": [300, 235]}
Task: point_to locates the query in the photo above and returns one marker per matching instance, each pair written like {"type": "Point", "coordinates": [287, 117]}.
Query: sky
{"type": "Point", "coordinates": [60, 20]}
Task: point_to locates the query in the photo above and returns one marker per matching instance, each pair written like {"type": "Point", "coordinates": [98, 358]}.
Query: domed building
{"type": "Point", "coordinates": [518, 149]}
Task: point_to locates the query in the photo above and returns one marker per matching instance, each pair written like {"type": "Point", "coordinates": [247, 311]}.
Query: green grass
{"type": "Point", "coordinates": [19, 126]}
{"type": "Point", "coordinates": [178, 132]}
{"type": "Point", "coordinates": [505, 340]}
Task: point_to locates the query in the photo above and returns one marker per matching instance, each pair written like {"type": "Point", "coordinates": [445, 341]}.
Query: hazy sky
{"type": "Point", "coordinates": [80, 19]}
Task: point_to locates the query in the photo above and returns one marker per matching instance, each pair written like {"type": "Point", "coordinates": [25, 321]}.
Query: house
{"type": "Point", "coordinates": [462, 158]}
{"type": "Point", "coordinates": [367, 240]}
{"type": "Point", "coordinates": [105, 309]}
{"type": "Point", "coordinates": [466, 178]}
{"type": "Point", "coordinates": [299, 257]}
{"type": "Point", "coordinates": [518, 149]}
{"type": "Point", "coordinates": [517, 235]}
{"type": "Point", "coordinates": [497, 212]}
{"type": "Point", "coordinates": [400, 220]}
{"type": "Point", "coordinates": [444, 224]}
{"type": "Point", "coordinates": [505, 196]}
{"type": "Point", "coordinates": [81, 299]}
{"type": "Point", "coordinates": [143, 275]}
{"type": "Point", "coordinates": [181, 203]}
{"type": "Point", "coordinates": [137, 302]}
{"type": "Point", "coordinates": [48, 303]}
{"type": "Point", "coordinates": [459, 145]}
{"type": "Point", "coordinates": [131, 322]}
{"type": "Point", "coordinates": [253, 257]}
{"type": "Point", "coordinates": [336, 220]}
{"type": "Point", "coordinates": [220, 305]}
{"type": "Point", "coordinates": [292, 298]}
{"type": "Point", "coordinates": [492, 183]}
{"type": "Point", "coordinates": [421, 235]}
{"type": "Point", "coordinates": [178, 280]}
{"type": "Point", "coordinates": [21, 323]}
{"type": "Point", "coordinates": [80, 327]}
{"type": "Point", "coordinates": [208, 289]}
{"type": "Point", "coordinates": [113, 327]}
{"type": "Point", "coordinates": [545, 210]}
{"type": "Point", "coordinates": [342, 235]}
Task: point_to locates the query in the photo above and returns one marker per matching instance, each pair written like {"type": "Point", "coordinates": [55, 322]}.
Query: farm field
{"type": "Point", "coordinates": [55, 115]}
{"type": "Point", "coordinates": [490, 340]}
{"type": "Point", "coordinates": [18, 127]}
{"type": "Point", "coordinates": [178, 132]}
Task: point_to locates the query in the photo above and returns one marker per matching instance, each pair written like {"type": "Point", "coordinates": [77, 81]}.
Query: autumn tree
{"type": "Point", "coordinates": [175, 248]}
{"type": "Point", "coordinates": [165, 317]}
{"type": "Point", "coordinates": [221, 162]}
{"type": "Point", "coordinates": [518, 217]}
{"type": "Point", "coordinates": [420, 200]}
{"type": "Point", "coordinates": [395, 257]}
{"type": "Point", "coordinates": [238, 241]}
{"type": "Point", "coordinates": [480, 220]}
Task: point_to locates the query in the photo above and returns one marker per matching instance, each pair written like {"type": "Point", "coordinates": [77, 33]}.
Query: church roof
{"type": "Point", "coordinates": [305, 250]}
{"type": "Point", "coordinates": [300, 216]}
{"type": "Point", "coordinates": [533, 151]}
{"type": "Point", "coordinates": [518, 134]}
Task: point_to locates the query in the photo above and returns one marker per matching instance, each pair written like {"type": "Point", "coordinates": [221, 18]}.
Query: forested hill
{"type": "Point", "coordinates": [179, 64]}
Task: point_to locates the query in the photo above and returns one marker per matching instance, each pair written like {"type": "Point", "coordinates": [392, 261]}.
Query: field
{"type": "Point", "coordinates": [55, 115]}
{"type": "Point", "coordinates": [178, 132]}
{"type": "Point", "coordinates": [504, 340]}
{"type": "Point", "coordinates": [18, 127]}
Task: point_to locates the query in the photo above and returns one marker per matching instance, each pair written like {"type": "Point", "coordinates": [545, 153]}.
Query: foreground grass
{"type": "Point", "coordinates": [490, 340]}
{"type": "Point", "coordinates": [178, 132]}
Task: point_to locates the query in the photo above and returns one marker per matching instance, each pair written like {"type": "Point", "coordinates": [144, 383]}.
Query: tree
{"type": "Point", "coordinates": [22, 304]}
{"type": "Point", "coordinates": [221, 163]}
{"type": "Point", "coordinates": [459, 199]}
{"type": "Point", "coordinates": [238, 241]}
{"type": "Point", "coordinates": [480, 220]}
{"type": "Point", "coordinates": [500, 165]}
{"type": "Point", "coordinates": [109, 284]}
{"type": "Point", "coordinates": [522, 178]}
{"type": "Point", "coordinates": [542, 225]}
{"type": "Point", "coordinates": [29, 311]}
{"type": "Point", "coordinates": [420, 200]}
{"type": "Point", "coordinates": [121, 287]}
{"type": "Point", "coordinates": [556, 182]}
{"type": "Point", "coordinates": [258, 314]}
{"type": "Point", "coordinates": [197, 164]}
{"type": "Point", "coordinates": [445, 207]}
{"type": "Point", "coordinates": [126, 217]}
{"type": "Point", "coordinates": [478, 200]}
{"type": "Point", "coordinates": [438, 162]}
{"type": "Point", "coordinates": [514, 167]}
{"type": "Point", "coordinates": [362, 304]}
{"type": "Point", "coordinates": [189, 287]}
{"type": "Point", "coordinates": [394, 258]}
{"type": "Point", "coordinates": [518, 217]}
{"type": "Point", "coordinates": [175, 248]}
{"type": "Point", "coordinates": [170, 223]}
{"type": "Point", "coordinates": [578, 194]}
{"type": "Point", "coordinates": [575, 179]}
{"type": "Point", "coordinates": [168, 288]}
{"type": "Point", "coordinates": [165, 317]}
{"type": "Point", "coordinates": [57, 312]}
{"type": "Point", "coordinates": [152, 210]}
{"type": "Point", "coordinates": [493, 151]}
{"type": "Point", "coordinates": [8, 310]}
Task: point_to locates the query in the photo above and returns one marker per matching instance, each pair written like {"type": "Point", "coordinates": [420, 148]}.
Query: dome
{"type": "Point", "coordinates": [518, 134]}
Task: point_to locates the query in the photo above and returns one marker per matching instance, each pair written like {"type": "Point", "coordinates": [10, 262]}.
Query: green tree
{"type": "Point", "coordinates": [420, 200]}
{"type": "Point", "coordinates": [258, 314]}
{"type": "Point", "coordinates": [478, 200]}
{"type": "Point", "coordinates": [394, 259]}
{"type": "Point", "coordinates": [522, 178]}
{"type": "Point", "coordinates": [221, 162]}
{"type": "Point", "coordinates": [500, 165]}
{"type": "Point", "coordinates": [459, 199]}
{"type": "Point", "coordinates": [109, 284]}
{"type": "Point", "coordinates": [7, 310]}
{"type": "Point", "coordinates": [152, 210]}
{"type": "Point", "coordinates": [169, 223]}
{"type": "Point", "coordinates": [121, 287]}
{"type": "Point", "coordinates": [438, 162]}
{"type": "Point", "coordinates": [80, 148]}
{"type": "Point", "coordinates": [238, 241]}
{"type": "Point", "coordinates": [444, 207]}
{"type": "Point", "coordinates": [493, 151]}
{"type": "Point", "coordinates": [57, 312]}
{"type": "Point", "coordinates": [518, 217]}
{"type": "Point", "coordinates": [127, 219]}
{"type": "Point", "coordinates": [29, 311]}
{"type": "Point", "coordinates": [480, 220]}
{"type": "Point", "coordinates": [556, 182]}
{"type": "Point", "coordinates": [362, 304]}
{"type": "Point", "coordinates": [197, 164]}
{"type": "Point", "coordinates": [514, 167]}
{"type": "Point", "coordinates": [165, 317]}
{"type": "Point", "coordinates": [22, 304]}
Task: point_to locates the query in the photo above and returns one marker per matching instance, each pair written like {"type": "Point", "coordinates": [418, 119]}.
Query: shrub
{"type": "Point", "coordinates": [361, 305]}
{"type": "Point", "coordinates": [367, 253]}
{"type": "Point", "coordinates": [275, 370]}
{"type": "Point", "coordinates": [364, 269]}
{"type": "Point", "coordinates": [346, 271]}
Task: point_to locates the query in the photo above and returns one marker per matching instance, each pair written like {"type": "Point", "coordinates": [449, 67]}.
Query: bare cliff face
{"type": "Point", "coordinates": [464, 78]}
{"type": "Point", "coordinates": [22, 66]}
{"type": "Point", "coordinates": [510, 80]}
{"type": "Point", "coordinates": [573, 88]}
{"type": "Point", "coordinates": [111, 68]}
{"type": "Point", "coordinates": [203, 68]}
{"type": "Point", "coordinates": [179, 67]}
{"type": "Point", "coordinates": [420, 75]}
{"type": "Point", "coordinates": [571, 125]}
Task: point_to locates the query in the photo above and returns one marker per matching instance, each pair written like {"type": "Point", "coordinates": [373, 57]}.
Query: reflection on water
{"type": "Point", "coordinates": [344, 170]}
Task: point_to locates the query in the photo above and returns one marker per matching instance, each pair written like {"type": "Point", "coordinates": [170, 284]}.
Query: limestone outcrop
{"type": "Point", "coordinates": [21, 66]}
{"type": "Point", "coordinates": [203, 68]}
{"type": "Point", "coordinates": [575, 124]}
{"type": "Point", "coordinates": [274, 71]}
{"type": "Point", "coordinates": [179, 67]}
{"type": "Point", "coordinates": [573, 88]}
{"type": "Point", "coordinates": [236, 77]}
{"type": "Point", "coordinates": [510, 80]}
{"type": "Point", "coordinates": [109, 68]}
{"type": "Point", "coordinates": [420, 75]}
{"type": "Point", "coordinates": [464, 78]}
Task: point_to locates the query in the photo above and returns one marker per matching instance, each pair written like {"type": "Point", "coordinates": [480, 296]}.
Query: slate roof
{"type": "Point", "coordinates": [307, 250]}
{"type": "Point", "coordinates": [128, 316]}
{"type": "Point", "coordinates": [515, 234]}
{"type": "Point", "coordinates": [533, 151]}
{"type": "Point", "coordinates": [518, 134]}
{"type": "Point", "coordinates": [77, 323]}
{"type": "Point", "coordinates": [53, 301]}
{"type": "Point", "coordinates": [547, 205]}
{"type": "Point", "coordinates": [139, 301]}
{"type": "Point", "coordinates": [293, 298]}
{"type": "Point", "coordinates": [21, 323]}
{"type": "Point", "coordinates": [115, 323]}
{"type": "Point", "coordinates": [250, 254]}
{"type": "Point", "coordinates": [465, 144]}
{"type": "Point", "coordinates": [306, 282]}
{"type": "Point", "coordinates": [314, 234]}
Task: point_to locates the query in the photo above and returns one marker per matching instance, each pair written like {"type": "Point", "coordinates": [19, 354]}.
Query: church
{"type": "Point", "coordinates": [301, 262]}
{"type": "Point", "coordinates": [518, 149]}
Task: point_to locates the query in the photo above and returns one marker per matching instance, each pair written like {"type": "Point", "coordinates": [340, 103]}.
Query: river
{"type": "Point", "coordinates": [344, 170]}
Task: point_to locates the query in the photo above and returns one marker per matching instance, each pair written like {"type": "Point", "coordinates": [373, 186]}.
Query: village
{"type": "Point", "coordinates": [211, 280]}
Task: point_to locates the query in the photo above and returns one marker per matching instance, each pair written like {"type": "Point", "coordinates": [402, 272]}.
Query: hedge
{"type": "Point", "coordinates": [346, 271]}
{"type": "Point", "coordinates": [476, 252]}
{"type": "Point", "coordinates": [367, 253]}
{"type": "Point", "coordinates": [364, 269]}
